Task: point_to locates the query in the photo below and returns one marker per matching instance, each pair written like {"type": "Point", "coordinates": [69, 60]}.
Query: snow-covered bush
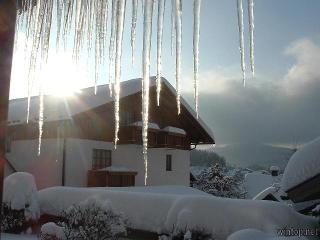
{"type": "Point", "coordinates": [20, 202]}
{"type": "Point", "coordinates": [51, 231]}
{"type": "Point", "coordinates": [219, 181]}
{"type": "Point", "coordinates": [93, 219]}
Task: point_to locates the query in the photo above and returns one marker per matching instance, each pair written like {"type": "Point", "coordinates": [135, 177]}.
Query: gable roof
{"type": "Point", "coordinates": [63, 108]}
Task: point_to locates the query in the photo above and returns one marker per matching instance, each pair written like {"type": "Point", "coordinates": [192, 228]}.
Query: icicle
{"type": "Point", "coordinates": [68, 17]}
{"type": "Point", "coordinates": [81, 14]}
{"type": "Point", "coordinates": [161, 8]}
{"type": "Point", "coordinates": [173, 24]}
{"type": "Point", "coordinates": [90, 25]}
{"type": "Point", "coordinates": [241, 39]}
{"type": "Point", "coordinates": [251, 30]}
{"type": "Point", "coordinates": [196, 39]}
{"type": "Point", "coordinates": [59, 8]}
{"type": "Point", "coordinates": [112, 42]}
{"type": "Point", "coordinates": [46, 31]}
{"type": "Point", "coordinates": [147, 32]}
{"type": "Point", "coordinates": [119, 37]}
{"type": "Point", "coordinates": [98, 46]}
{"type": "Point", "coordinates": [38, 20]}
{"type": "Point", "coordinates": [41, 109]}
{"type": "Point", "coordinates": [133, 27]}
{"type": "Point", "coordinates": [178, 17]}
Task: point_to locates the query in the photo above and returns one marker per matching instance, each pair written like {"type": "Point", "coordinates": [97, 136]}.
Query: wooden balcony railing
{"type": "Point", "coordinates": [156, 138]}
{"type": "Point", "coordinates": [105, 178]}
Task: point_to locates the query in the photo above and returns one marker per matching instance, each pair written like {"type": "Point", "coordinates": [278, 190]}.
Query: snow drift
{"type": "Point", "coordinates": [162, 213]}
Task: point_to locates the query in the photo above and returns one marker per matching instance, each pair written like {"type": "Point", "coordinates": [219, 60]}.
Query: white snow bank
{"type": "Point", "coordinates": [303, 165]}
{"type": "Point", "coordinates": [171, 129]}
{"type": "Point", "coordinates": [20, 192]}
{"type": "Point", "coordinates": [161, 213]}
{"type": "Point", "coordinates": [253, 234]}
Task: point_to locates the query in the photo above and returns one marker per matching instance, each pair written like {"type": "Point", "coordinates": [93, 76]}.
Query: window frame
{"type": "Point", "coordinates": [101, 158]}
{"type": "Point", "coordinates": [169, 163]}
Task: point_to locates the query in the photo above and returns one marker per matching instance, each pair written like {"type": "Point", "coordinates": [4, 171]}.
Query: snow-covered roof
{"type": "Point", "coordinates": [274, 168]}
{"type": "Point", "coordinates": [62, 108]}
{"type": "Point", "coordinates": [150, 125]}
{"type": "Point", "coordinates": [303, 165]}
{"type": "Point", "coordinates": [171, 129]}
{"type": "Point", "coordinates": [256, 182]}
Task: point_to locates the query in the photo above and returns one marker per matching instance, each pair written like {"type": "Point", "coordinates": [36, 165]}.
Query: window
{"type": "Point", "coordinates": [169, 162]}
{"type": "Point", "coordinates": [125, 118]}
{"type": "Point", "coordinates": [8, 144]}
{"type": "Point", "coordinates": [101, 159]}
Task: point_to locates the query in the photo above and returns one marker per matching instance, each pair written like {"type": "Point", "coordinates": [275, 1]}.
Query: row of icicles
{"type": "Point", "coordinates": [87, 22]}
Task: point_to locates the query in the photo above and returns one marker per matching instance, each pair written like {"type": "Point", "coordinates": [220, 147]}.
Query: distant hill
{"type": "Point", "coordinates": [255, 156]}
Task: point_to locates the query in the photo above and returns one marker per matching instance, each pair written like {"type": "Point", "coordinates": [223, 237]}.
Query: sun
{"type": "Point", "coordinates": [61, 76]}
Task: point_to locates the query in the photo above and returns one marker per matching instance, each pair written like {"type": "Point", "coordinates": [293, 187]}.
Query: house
{"type": "Point", "coordinates": [301, 178]}
{"type": "Point", "coordinates": [78, 132]}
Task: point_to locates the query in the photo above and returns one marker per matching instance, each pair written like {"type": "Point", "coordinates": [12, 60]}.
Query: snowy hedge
{"type": "Point", "coordinates": [91, 219]}
{"type": "Point", "coordinates": [20, 200]}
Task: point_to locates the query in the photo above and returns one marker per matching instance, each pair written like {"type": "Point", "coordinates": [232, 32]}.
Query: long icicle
{"type": "Point", "coordinates": [38, 20]}
{"type": "Point", "coordinates": [147, 32]}
{"type": "Point", "coordinates": [161, 8]}
{"type": "Point", "coordinates": [178, 17]}
{"type": "Point", "coordinates": [99, 41]}
{"type": "Point", "coordinates": [45, 36]}
{"type": "Point", "coordinates": [90, 25]}
{"type": "Point", "coordinates": [59, 8]}
{"type": "Point", "coordinates": [173, 24]}
{"type": "Point", "coordinates": [251, 30]}
{"type": "Point", "coordinates": [119, 38]}
{"type": "Point", "coordinates": [196, 40]}
{"type": "Point", "coordinates": [133, 28]}
{"type": "Point", "coordinates": [112, 42]}
{"type": "Point", "coordinates": [241, 39]}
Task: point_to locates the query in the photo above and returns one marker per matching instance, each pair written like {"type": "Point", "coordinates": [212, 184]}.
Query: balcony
{"type": "Point", "coordinates": [168, 137]}
{"type": "Point", "coordinates": [111, 178]}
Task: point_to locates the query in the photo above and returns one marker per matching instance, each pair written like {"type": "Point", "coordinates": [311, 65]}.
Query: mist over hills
{"type": "Point", "coordinates": [254, 156]}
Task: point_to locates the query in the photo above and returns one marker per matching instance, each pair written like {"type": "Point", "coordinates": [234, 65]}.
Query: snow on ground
{"type": "Point", "coordinates": [303, 165]}
{"type": "Point", "coordinates": [256, 182]}
{"type": "Point", "coordinates": [178, 190]}
{"type": "Point", "coordinates": [252, 234]}
{"type": "Point", "coordinates": [20, 191]}
{"type": "Point", "coordinates": [6, 236]}
{"type": "Point", "coordinates": [159, 212]}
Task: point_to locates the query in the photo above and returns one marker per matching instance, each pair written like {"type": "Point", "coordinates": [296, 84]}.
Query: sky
{"type": "Point", "coordinates": [279, 105]}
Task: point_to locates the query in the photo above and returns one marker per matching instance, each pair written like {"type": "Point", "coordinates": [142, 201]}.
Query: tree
{"type": "Point", "coordinates": [218, 181]}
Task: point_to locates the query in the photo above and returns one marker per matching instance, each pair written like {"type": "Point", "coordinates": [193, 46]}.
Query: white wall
{"type": "Point", "coordinates": [46, 168]}
{"type": "Point", "coordinates": [79, 161]}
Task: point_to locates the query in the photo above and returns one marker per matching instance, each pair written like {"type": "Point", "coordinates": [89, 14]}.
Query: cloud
{"type": "Point", "coordinates": [305, 72]}
{"type": "Point", "coordinates": [268, 110]}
